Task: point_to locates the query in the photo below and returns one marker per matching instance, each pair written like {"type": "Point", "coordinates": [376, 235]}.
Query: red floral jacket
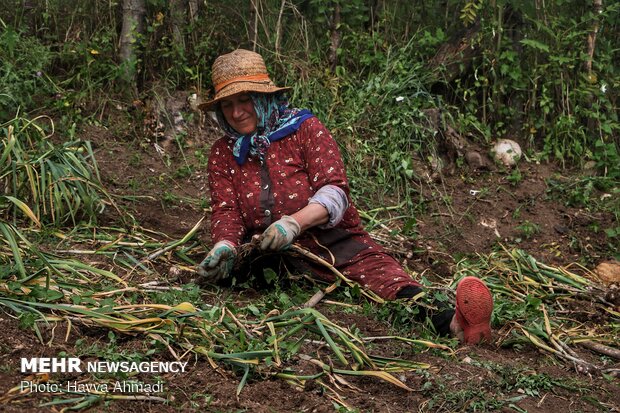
{"type": "Point", "coordinates": [247, 198]}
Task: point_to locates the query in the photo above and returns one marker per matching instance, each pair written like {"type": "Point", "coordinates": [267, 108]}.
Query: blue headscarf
{"type": "Point", "coordinates": [275, 121]}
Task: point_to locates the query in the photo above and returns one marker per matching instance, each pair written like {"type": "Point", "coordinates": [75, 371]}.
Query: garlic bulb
{"type": "Point", "coordinates": [506, 152]}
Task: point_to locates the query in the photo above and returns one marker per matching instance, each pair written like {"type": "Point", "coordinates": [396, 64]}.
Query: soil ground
{"type": "Point", "coordinates": [456, 223]}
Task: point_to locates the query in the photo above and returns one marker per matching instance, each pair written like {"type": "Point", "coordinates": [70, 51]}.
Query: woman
{"type": "Point", "coordinates": [277, 173]}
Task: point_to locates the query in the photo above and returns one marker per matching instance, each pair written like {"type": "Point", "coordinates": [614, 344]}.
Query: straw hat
{"type": "Point", "coordinates": [239, 71]}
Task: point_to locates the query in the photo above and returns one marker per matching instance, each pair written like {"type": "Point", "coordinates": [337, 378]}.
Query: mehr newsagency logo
{"type": "Point", "coordinates": [76, 365]}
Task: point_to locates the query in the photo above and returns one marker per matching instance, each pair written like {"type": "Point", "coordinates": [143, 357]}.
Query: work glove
{"type": "Point", "coordinates": [280, 234]}
{"type": "Point", "coordinates": [219, 262]}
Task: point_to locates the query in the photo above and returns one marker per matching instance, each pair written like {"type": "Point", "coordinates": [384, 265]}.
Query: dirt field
{"type": "Point", "coordinates": [456, 224]}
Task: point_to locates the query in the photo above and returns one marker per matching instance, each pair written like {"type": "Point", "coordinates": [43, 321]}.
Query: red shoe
{"type": "Point", "coordinates": [474, 305]}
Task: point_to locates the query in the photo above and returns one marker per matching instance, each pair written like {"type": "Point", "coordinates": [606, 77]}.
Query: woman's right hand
{"type": "Point", "coordinates": [219, 262]}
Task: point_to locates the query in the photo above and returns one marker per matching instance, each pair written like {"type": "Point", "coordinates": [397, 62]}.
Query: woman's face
{"type": "Point", "coordinates": [239, 112]}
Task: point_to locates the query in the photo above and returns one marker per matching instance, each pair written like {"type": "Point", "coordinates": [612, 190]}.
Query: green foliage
{"type": "Point", "coordinates": [379, 119]}
{"type": "Point", "coordinates": [595, 193]}
{"type": "Point", "coordinates": [607, 159]}
{"type": "Point", "coordinates": [185, 64]}
{"type": "Point", "coordinates": [515, 176]}
{"type": "Point", "coordinates": [86, 68]}
{"type": "Point", "coordinates": [469, 12]}
{"type": "Point", "coordinates": [47, 182]}
{"type": "Point", "coordinates": [24, 62]}
{"type": "Point", "coordinates": [445, 396]}
{"type": "Point", "coordinates": [527, 77]}
{"type": "Point", "coordinates": [188, 293]}
{"type": "Point", "coordinates": [528, 229]}
{"type": "Point", "coordinates": [530, 79]}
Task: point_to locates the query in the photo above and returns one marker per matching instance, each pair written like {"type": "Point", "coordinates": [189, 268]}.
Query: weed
{"type": "Point", "coordinates": [23, 73]}
{"type": "Point", "coordinates": [504, 380]}
{"type": "Point", "coordinates": [613, 232]}
{"type": "Point", "coordinates": [448, 398]}
{"type": "Point", "coordinates": [135, 160]}
{"type": "Point", "coordinates": [188, 292]}
{"type": "Point", "coordinates": [597, 193]}
{"type": "Point", "coordinates": [515, 177]}
{"type": "Point", "coordinates": [204, 203]}
{"type": "Point", "coordinates": [528, 229]}
{"type": "Point", "coordinates": [169, 198]}
{"type": "Point", "coordinates": [27, 320]}
{"type": "Point", "coordinates": [202, 157]}
{"type": "Point", "coordinates": [607, 159]}
{"type": "Point", "coordinates": [183, 172]}
{"type": "Point", "coordinates": [133, 184]}
{"type": "Point", "coordinates": [200, 399]}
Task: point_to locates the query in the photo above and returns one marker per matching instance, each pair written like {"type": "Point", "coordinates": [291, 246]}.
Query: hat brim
{"type": "Point", "coordinates": [241, 87]}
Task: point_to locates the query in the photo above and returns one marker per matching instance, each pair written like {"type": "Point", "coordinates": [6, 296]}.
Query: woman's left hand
{"type": "Point", "coordinates": [280, 234]}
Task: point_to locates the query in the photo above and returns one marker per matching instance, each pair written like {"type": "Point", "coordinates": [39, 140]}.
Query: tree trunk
{"type": "Point", "coordinates": [177, 20]}
{"type": "Point", "coordinates": [597, 6]}
{"type": "Point", "coordinates": [193, 10]}
{"type": "Point", "coordinates": [253, 24]}
{"type": "Point", "coordinates": [376, 9]}
{"type": "Point", "coordinates": [335, 37]}
{"type": "Point", "coordinates": [279, 27]}
{"type": "Point", "coordinates": [133, 25]}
